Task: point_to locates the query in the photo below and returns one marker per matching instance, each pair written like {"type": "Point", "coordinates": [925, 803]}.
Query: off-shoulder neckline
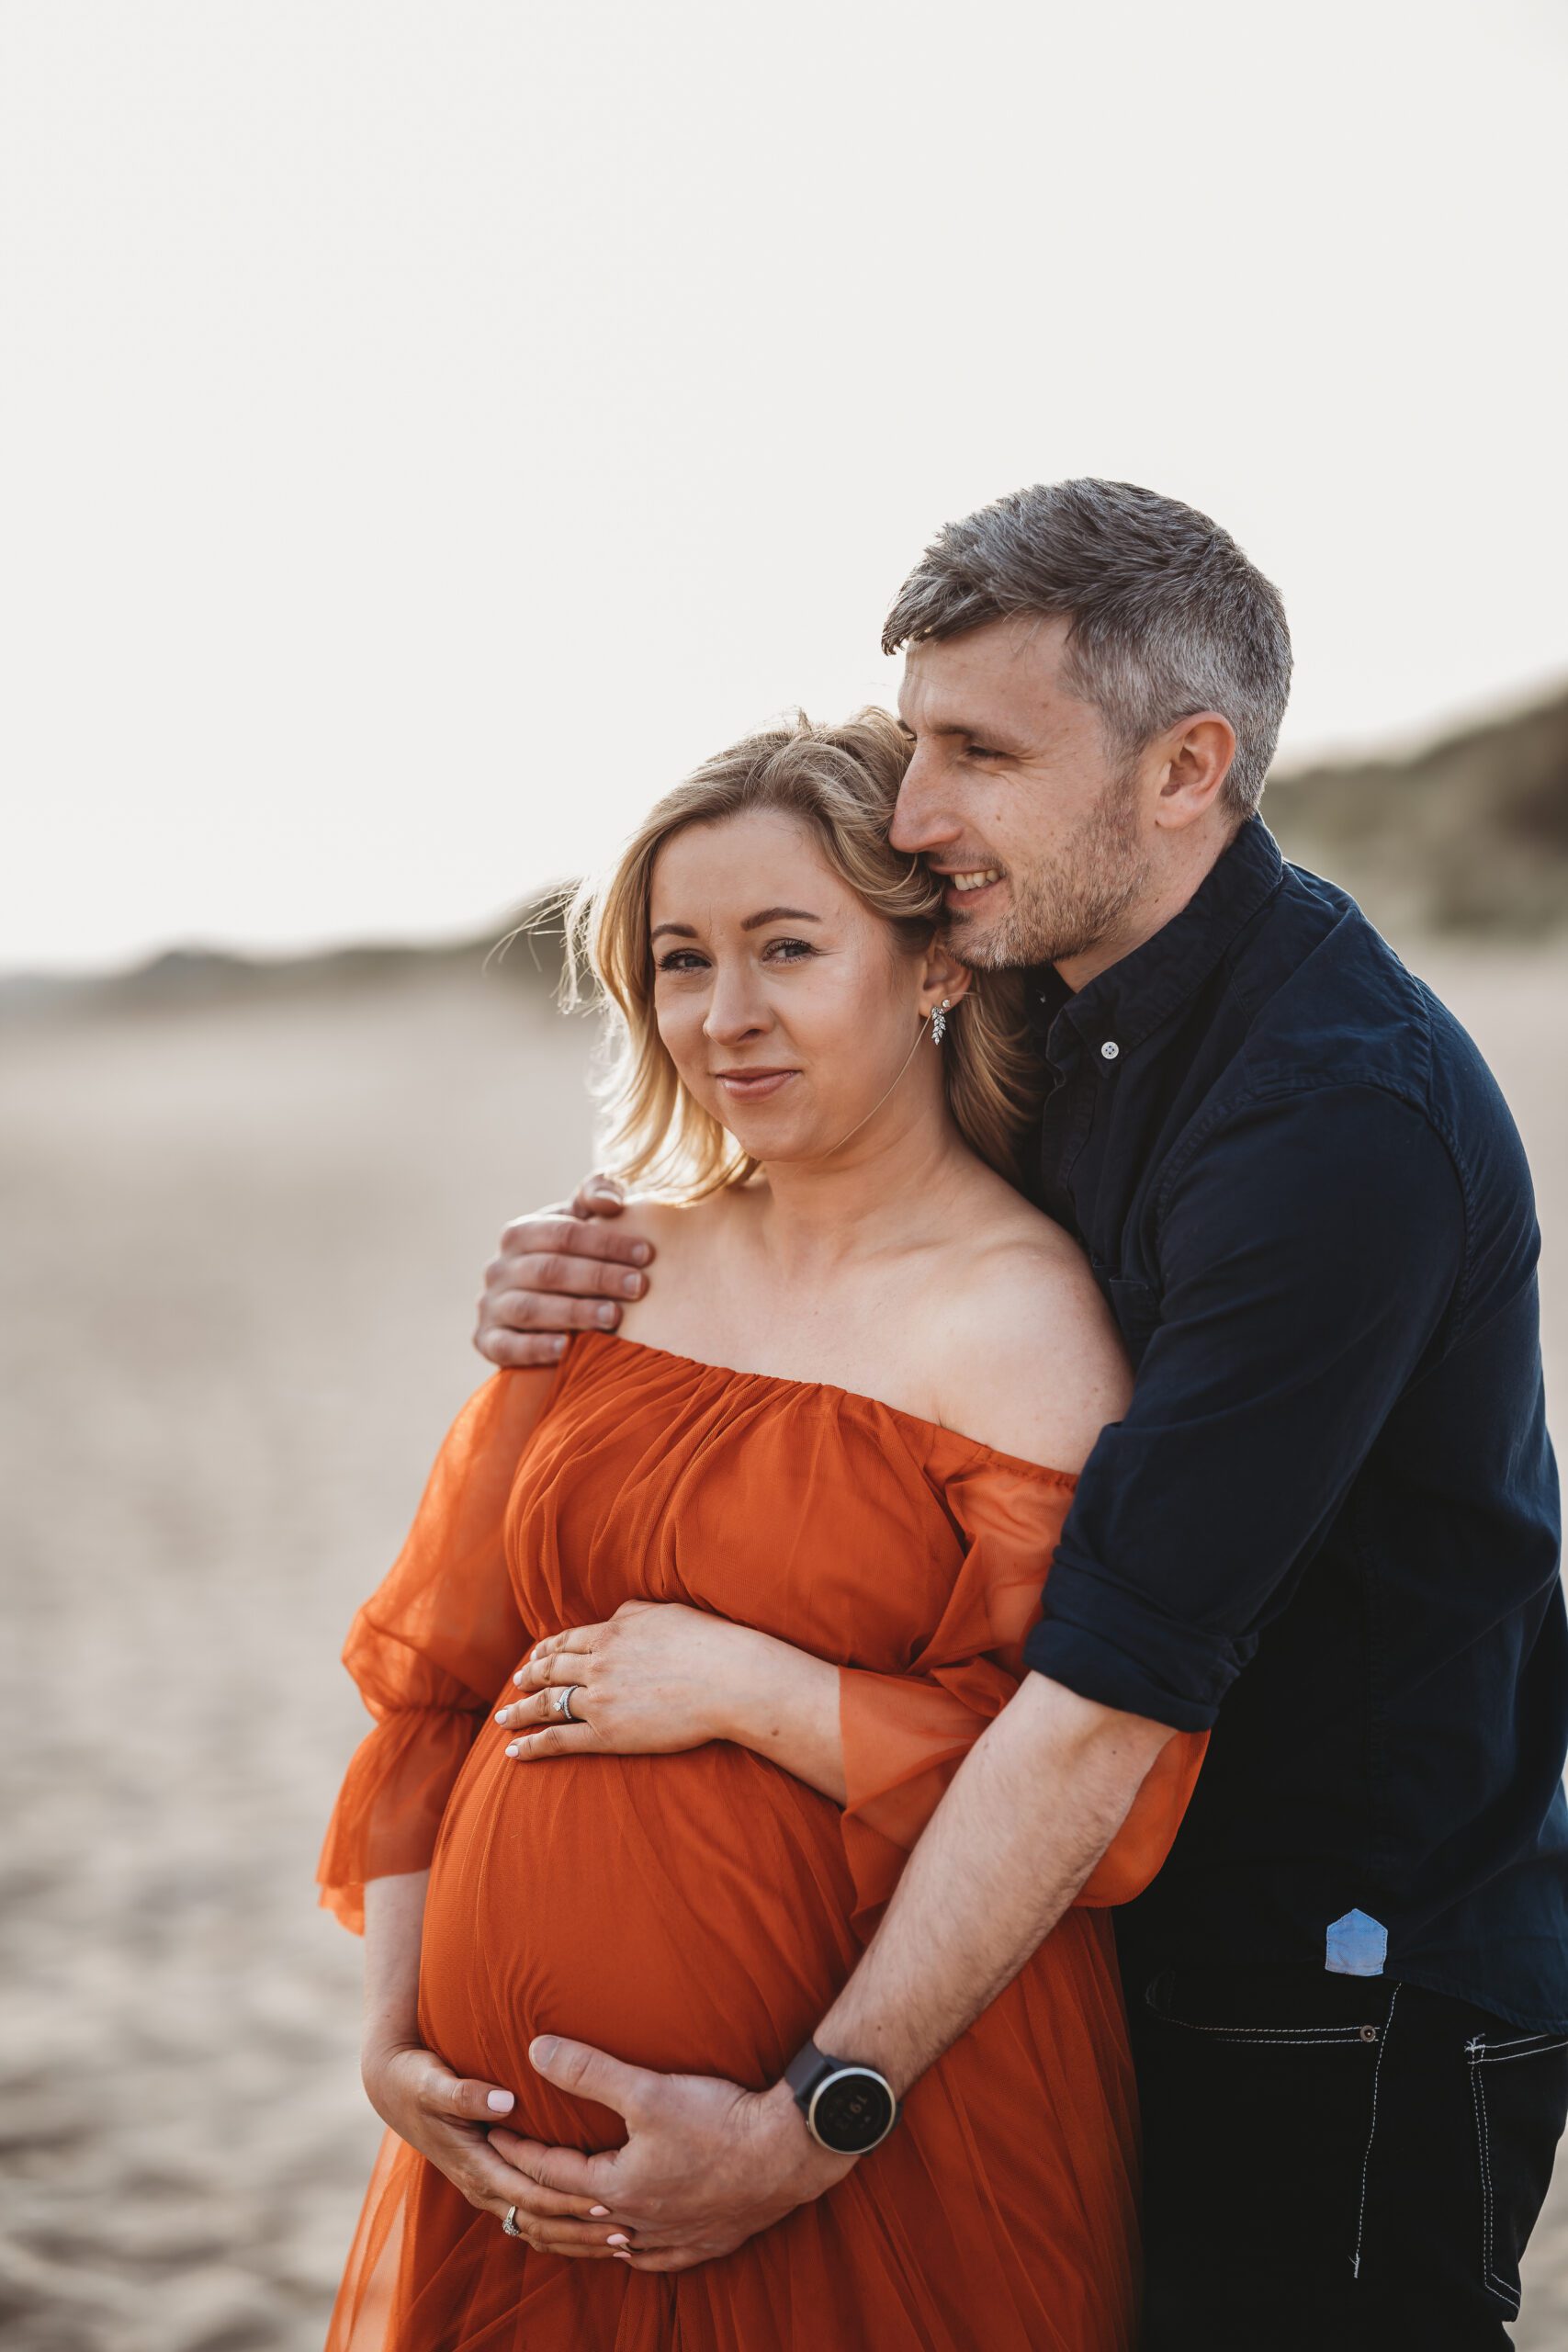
{"type": "Point", "coordinates": [929, 1430]}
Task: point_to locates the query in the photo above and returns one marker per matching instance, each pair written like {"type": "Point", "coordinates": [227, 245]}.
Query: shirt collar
{"type": "Point", "coordinates": [1129, 999]}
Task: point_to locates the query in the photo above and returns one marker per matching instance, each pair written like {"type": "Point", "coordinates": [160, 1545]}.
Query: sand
{"type": "Point", "coordinates": [242, 1245]}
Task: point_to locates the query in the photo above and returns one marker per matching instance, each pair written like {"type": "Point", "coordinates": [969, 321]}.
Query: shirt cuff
{"type": "Point", "coordinates": [1142, 1663]}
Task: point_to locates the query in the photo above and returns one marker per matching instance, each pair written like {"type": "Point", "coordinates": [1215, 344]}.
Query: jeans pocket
{"type": "Point", "coordinates": [1166, 1997]}
{"type": "Point", "coordinates": [1278, 2075]}
{"type": "Point", "coordinates": [1518, 2086]}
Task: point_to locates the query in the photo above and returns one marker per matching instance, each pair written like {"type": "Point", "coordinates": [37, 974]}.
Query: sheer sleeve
{"type": "Point", "coordinates": [431, 1648]}
{"type": "Point", "coordinates": [905, 1735]}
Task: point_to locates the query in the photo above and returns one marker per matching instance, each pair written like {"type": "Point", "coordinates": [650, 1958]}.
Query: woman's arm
{"type": "Point", "coordinates": [443, 2116]}
{"type": "Point", "coordinates": [394, 1920]}
{"type": "Point", "coordinates": [432, 1646]}
{"type": "Point", "coordinates": [659, 1677]}
{"type": "Point", "coordinates": [783, 1703]}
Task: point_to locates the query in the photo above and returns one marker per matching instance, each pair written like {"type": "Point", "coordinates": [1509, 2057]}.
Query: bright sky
{"type": "Point", "coordinates": [427, 426]}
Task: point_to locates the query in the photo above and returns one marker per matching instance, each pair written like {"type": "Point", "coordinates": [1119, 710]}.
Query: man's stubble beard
{"type": "Point", "coordinates": [1069, 909]}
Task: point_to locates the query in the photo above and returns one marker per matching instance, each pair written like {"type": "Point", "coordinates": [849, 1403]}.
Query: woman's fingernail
{"type": "Point", "coordinates": [503, 2101]}
{"type": "Point", "coordinates": [502, 1717]}
{"type": "Point", "coordinates": [515, 1748]}
{"type": "Point", "coordinates": [619, 2253]}
{"type": "Point", "coordinates": [517, 1678]}
{"type": "Point", "coordinates": [640, 1254]}
{"type": "Point", "coordinates": [617, 2237]}
{"type": "Point", "coordinates": [555, 1348]}
{"type": "Point", "coordinates": [632, 1285]}
{"type": "Point", "coordinates": [607, 1314]}
{"type": "Point", "coordinates": [598, 2213]}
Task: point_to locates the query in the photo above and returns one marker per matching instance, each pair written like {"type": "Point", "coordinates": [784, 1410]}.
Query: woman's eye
{"type": "Point", "coordinates": [680, 959]}
{"type": "Point", "coordinates": [983, 751]}
{"type": "Point", "coordinates": [789, 951]}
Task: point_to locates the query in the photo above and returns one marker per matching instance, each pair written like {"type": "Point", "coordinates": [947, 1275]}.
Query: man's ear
{"type": "Point", "coordinates": [1197, 756]}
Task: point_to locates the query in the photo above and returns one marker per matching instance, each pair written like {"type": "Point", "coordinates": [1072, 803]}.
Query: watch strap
{"type": "Point", "coordinates": [806, 2069]}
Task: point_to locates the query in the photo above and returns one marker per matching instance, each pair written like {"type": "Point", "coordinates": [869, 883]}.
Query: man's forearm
{"type": "Point", "coordinates": [1034, 1806]}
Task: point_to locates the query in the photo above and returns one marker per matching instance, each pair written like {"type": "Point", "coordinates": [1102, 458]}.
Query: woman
{"type": "Point", "coordinates": [780, 1538]}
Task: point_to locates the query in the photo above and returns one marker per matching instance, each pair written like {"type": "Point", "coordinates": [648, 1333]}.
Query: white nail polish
{"type": "Point", "coordinates": [515, 1748]}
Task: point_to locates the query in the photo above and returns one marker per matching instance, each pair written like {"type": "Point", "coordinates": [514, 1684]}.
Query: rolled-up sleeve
{"type": "Point", "coordinates": [1309, 1253]}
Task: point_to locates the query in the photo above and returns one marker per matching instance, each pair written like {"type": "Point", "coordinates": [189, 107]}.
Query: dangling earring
{"type": "Point", "coordinates": [939, 1023]}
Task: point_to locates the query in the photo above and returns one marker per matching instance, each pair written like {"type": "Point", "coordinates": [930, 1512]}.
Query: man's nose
{"type": "Point", "coordinates": [920, 822]}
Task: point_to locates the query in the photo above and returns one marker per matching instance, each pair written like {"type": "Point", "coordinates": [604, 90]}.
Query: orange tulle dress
{"type": "Point", "coordinates": [698, 1912]}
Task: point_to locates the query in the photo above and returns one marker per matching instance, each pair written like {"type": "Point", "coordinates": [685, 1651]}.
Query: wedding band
{"type": "Point", "coordinates": [509, 2223]}
{"type": "Point", "coordinates": [563, 1703]}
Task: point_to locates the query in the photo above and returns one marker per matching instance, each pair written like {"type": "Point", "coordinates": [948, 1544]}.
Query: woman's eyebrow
{"type": "Point", "coordinates": [681, 929]}
{"type": "Point", "coordinates": [778, 914]}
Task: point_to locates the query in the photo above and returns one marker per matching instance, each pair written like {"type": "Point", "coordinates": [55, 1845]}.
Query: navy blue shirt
{"type": "Point", "coordinates": [1327, 1525]}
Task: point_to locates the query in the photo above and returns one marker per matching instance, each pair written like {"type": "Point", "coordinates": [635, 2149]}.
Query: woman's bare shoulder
{"type": "Point", "coordinates": [676, 1307]}
{"type": "Point", "coordinates": [1032, 1362]}
{"type": "Point", "coordinates": [672, 1226]}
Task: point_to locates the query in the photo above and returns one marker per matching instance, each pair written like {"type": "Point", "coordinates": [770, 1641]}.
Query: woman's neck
{"type": "Point", "coordinates": [875, 1195]}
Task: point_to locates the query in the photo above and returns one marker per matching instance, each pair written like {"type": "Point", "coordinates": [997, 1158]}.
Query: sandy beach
{"type": "Point", "coordinates": [242, 1239]}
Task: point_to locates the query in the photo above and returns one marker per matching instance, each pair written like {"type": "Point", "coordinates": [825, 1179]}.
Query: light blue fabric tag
{"type": "Point", "coordinates": [1357, 1946]}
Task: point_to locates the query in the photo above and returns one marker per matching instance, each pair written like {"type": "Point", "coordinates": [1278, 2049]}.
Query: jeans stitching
{"type": "Point", "coordinates": [1344, 2034]}
{"type": "Point", "coordinates": [1475, 2051]}
{"type": "Point", "coordinates": [1371, 2128]}
{"type": "Point", "coordinates": [1485, 2059]}
{"type": "Point", "coordinates": [1349, 2033]}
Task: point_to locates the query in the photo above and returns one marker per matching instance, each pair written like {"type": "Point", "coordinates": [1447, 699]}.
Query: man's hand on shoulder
{"type": "Point", "coordinates": [565, 1269]}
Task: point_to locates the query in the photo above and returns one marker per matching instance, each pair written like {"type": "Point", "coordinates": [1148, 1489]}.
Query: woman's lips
{"type": "Point", "coordinates": [752, 1085]}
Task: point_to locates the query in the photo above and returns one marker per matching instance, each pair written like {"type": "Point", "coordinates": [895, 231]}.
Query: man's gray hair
{"type": "Point", "coordinates": [1168, 618]}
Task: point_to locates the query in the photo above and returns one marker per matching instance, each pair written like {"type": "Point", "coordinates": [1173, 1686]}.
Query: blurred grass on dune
{"type": "Point", "coordinates": [1467, 834]}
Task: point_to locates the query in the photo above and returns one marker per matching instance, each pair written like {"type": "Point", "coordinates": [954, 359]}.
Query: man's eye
{"type": "Point", "coordinates": [982, 751]}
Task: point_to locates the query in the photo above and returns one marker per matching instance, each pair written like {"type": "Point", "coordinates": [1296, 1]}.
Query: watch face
{"type": "Point", "coordinates": [853, 2110]}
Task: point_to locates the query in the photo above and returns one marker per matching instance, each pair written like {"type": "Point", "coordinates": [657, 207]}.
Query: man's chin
{"type": "Point", "coordinates": [985, 947]}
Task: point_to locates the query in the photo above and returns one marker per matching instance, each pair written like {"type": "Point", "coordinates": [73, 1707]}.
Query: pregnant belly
{"type": "Point", "coordinates": [688, 1913]}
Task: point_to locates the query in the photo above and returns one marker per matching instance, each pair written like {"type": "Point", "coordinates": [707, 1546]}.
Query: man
{"type": "Point", "coordinates": [1326, 1526]}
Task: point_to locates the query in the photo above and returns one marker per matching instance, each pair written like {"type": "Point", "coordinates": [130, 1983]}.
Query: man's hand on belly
{"type": "Point", "coordinates": [705, 2166]}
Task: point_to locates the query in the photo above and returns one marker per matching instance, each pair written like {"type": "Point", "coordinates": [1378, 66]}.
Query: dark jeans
{"type": "Point", "coordinates": [1336, 2162]}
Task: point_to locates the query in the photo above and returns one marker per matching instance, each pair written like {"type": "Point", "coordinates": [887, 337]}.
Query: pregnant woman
{"type": "Point", "coordinates": [691, 1632]}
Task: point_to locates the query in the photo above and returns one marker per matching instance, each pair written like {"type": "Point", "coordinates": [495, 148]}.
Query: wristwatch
{"type": "Point", "coordinates": [849, 2109]}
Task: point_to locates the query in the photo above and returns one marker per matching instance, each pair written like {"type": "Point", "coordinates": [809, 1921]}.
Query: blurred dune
{"type": "Point", "coordinates": [1468, 833]}
{"type": "Point", "coordinates": [245, 1210]}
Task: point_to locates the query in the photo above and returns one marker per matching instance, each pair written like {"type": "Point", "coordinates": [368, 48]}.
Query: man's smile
{"type": "Point", "coordinates": [966, 887]}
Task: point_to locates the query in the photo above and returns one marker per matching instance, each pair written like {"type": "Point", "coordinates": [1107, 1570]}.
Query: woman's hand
{"type": "Point", "coordinates": [447, 2118]}
{"type": "Point", "coordinates": [656, 1678]}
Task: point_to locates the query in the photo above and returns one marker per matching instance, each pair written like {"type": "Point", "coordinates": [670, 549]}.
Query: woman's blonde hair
{"type": "Point", "coordinates": [842, 782]}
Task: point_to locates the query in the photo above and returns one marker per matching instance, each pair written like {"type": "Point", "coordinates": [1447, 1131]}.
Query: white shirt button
{"type": "Point", "coordinates": [1109, 1050]}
